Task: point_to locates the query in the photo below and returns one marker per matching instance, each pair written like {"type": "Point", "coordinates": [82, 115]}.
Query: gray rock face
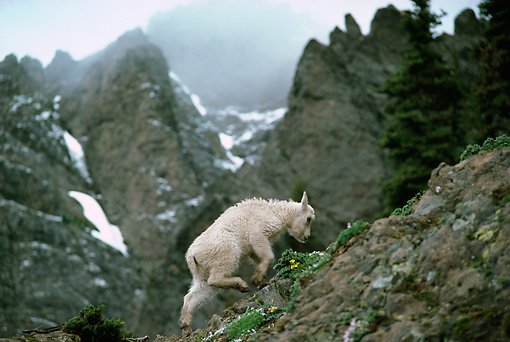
{"type": "Point", "coordinates": [328, 141]}
{"type": "Point", "coordinates": [150, 155]}
{"type": "Point", "coordinates": [439, 273]}
{"type": "Point", "coordinates": [424, 275]}
{"type": "Point", "coordinates": [51, 265]}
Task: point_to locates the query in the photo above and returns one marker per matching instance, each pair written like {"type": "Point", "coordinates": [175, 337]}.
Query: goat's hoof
{"type": "Point", "coordinates": [262, 284]}
{"type": "Point", "coordinates": [186, 330]}
{"type": "Point", "coordinates": [259, 282]}
{"type": "Point", "coordinates": [243, 288]}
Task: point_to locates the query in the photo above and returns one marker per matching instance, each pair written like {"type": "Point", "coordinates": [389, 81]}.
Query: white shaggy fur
{"type": "Point", "coordinates": [246, 229]}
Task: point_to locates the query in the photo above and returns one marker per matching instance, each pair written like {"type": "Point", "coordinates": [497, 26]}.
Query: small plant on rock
{"type": "Point", "coordinates": [408, 207]}
{"type": "Point", "coordinates": [248, 323]}
{"type": "Point", "coordinates": [488, 145]}
{"type": "Point", "coordinates": [91, 326]}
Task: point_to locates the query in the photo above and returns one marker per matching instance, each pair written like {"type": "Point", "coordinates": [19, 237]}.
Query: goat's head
{"type": "Point", "coordinates": [302, 222]}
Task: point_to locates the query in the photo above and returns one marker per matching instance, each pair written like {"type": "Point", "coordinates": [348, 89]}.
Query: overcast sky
{"type": "Point", "coordinates": [81, 27]}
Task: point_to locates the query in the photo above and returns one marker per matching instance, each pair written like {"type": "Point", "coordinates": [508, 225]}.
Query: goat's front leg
{"type": "Point", "coordinates": [263, 256]}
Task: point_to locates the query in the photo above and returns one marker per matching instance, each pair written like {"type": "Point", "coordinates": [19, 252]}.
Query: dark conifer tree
{"type": "Point", "coordinates": [493, 91]}
{"type": "Point", "coordinates": [421, 129]}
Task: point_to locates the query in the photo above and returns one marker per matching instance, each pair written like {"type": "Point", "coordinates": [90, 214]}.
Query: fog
{"type": "Point", "coordinates": [240, 54]}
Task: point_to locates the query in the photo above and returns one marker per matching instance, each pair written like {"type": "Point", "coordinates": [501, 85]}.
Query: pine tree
{"type": "Point", "coordinates": [493, 92]}
{"type": "Point", "coordinates": [421, 129]}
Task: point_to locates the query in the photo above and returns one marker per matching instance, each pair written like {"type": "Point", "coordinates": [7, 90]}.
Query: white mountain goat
{"type": "Point", "coordinates": [246, 229]}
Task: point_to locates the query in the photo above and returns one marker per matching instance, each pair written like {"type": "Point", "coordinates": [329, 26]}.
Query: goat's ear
{"type": "Point", "coordinates": [304, 201]}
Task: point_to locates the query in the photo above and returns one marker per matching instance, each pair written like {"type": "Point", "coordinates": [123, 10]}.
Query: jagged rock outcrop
{"type": "Point", "coordinates": [328, 142]}
{"type": "Point", "coordinates": [150, 156]}
{"type": "Point", "coordinates": [51, 264]}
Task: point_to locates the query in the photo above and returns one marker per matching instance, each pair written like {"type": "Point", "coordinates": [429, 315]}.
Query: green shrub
{"type": "Point", "coordinates": [408, 207]}
{"type": "Point", "coordinates": [293, 264]}
{"type": "Point", "coordinates": [294, 292]}
{"type": "Point", "coordinates": [355, 229]}
{"type": "Point", "coordinates": [92, 327]}
{"type": "Point", "coordinates": [248, 323]}
{"type": "Point", "coordinates": [488, 145]}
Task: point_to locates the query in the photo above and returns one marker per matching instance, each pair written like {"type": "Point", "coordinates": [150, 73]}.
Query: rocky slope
{"type": "Point", "coordinates": [440, 273]}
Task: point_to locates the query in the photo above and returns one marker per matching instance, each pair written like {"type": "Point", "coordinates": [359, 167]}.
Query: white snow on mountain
{"type": "Point", "coordinates": [77, 155]}
{"type": "Point", "coordinates": [198, 105]}
{"type": "Point", "coordinates": [182, 88]}
{"type": "Point", "coordinates": [234, 162]}
{"type": "Point", "coordinates": [108, 233]}
{"type": "Point", "coordinates": [238, 128]}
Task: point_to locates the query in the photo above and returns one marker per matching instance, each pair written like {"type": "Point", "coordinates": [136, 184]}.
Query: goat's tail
{"type": "Point", "coordinates": [199, 293]}
{"type": "Point", "coordinates": [198, 272]}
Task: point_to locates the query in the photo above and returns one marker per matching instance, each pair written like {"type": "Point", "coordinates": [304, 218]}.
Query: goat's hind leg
{"type": "Point", "coordinates": [198, 293]}
{"type": "Point", "coordinates": [220, 280]}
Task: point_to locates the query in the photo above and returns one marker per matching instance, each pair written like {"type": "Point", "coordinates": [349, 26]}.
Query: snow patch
{"type": "Point", "coordinates": [56, 102]}
{"type": "Point", "coordinates": [234, 162]}
{"type": "Point", "coordinates": [20, 100]}
{"type": "Point", "coordinates": [77, 156]}
{"type": "Point", "coordinates": [195, 201]}
{"type": "Point", "coordinates": [108, 233]}
{"type": "Point", "coordinates": [168, 215]}
{"type": "Point", "coordinates": [227, 141]}
{"type": "Point", "coordinates": [198, 105]}
{"type": "Point", "coordinates": [100, 282]}
{"type": "Point", "coordinates": [195, 99]}
{"type": "Point", "coordinates": [180, 84]}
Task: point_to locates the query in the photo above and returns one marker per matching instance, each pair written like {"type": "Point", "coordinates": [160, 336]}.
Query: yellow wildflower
{"type": "Point", "coordinates": [272, 309]}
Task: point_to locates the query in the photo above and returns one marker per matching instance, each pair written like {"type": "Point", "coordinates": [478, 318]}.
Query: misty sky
{"type": "Point", "coordinates": [81, 27]}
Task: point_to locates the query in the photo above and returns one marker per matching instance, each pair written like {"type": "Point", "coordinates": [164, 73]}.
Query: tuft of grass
{"type": "Point", "coordinates": [355, 229]}
{"type": "Point", "coordinates": [248, 323]}
{"type": "Point", "coordinates": [408, 207]}
{"type": "Point", "coordinates": [245, 324]}
{"type": "Point", "coordinates": [298, 265]}
{"type": "Point", "coordinates": [294, 264]}
{"type": "Point", "coordinates": [294, 292]}
{"type": "Point", "coordinates": [91, 326]}
{"type": "Point", "coordinates": [488, 145]}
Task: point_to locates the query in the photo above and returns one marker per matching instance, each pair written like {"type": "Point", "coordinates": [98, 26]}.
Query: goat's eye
{"type": "Point", "coordinates": [308, 219]}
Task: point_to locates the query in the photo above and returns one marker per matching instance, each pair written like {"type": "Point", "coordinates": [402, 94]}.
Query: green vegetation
{"type": "Point", "coordinates": [293, 265]}
{"type": "Point", "coordinates": [297, 265]}
{"type": "Point", "coordinates": [358, 328]}
{"type": "Point", "coordinates": [245, 324]}
{"type": "Point", "coordinates": [408, 207]}
{"type": "Point", "coordinates": [345, 235]}
{"type": "Point", "coordinates": [489, 145]}
{"type": "Point", "coordinates": [493, 89]}
{"type": "Point", "coordinates": [423, 118]}
{"type": "Point", "coordinates": [91, 326]}
{"type": "Point", "coordinates": [248, 322]}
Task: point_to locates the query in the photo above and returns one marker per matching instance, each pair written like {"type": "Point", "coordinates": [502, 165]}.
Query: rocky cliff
{"type": "Point", "coordinates": [439, 273]}
{"type": "Point", "coordinates": [328, 141]}
{"type": "Point", "coordinates": [51, 265]}
{"type": "Point", "coordinates": [148, 158]}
